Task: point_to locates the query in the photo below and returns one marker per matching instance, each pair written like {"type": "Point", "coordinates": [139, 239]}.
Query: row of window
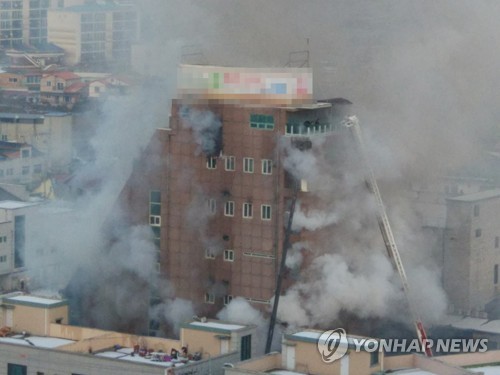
{"type": "Point", "coordinates": [210, 298]}
{"type": "Point", "coordinates": [247, 209]}
{"type": "Point", "coordinates": [248, 164]}
{"type": "Point", "coordinates": [3, 239]}
{"type": "Point", "coordinates": [3, 258]}
{"type": "Point", "coordinates": [25, 170]}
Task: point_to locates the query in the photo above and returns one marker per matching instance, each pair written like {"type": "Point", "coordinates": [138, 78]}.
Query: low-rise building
{"type": "Point", "coordinates": [62, 89]}
{"type": "Point", "coordinates": [37, 340]}
{"type": "Point", "coordinates": [21, 163]}
{"type": "Point", "coordinates": [49, 132]}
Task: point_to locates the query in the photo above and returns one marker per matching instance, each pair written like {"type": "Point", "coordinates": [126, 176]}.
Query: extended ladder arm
{"type": "Point", "coordinates": [385, 228]}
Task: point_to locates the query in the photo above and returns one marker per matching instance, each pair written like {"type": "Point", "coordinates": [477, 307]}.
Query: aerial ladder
{"type": "Point", "coordinates": [352, 122]}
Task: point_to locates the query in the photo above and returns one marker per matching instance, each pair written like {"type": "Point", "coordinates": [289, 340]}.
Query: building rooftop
{"type": "Point", "coordinates": [482, 195]}
{"type": "Point", "coordinates": [37, 341]}
{"type": "Point", "coordinates": [475, 324]}
{"type": "Point", "coordinates": [34, 300]}
{"type": "Point", "coordinates": [13, 205]}
{"type": "Point", "coordinates": [214, 326]}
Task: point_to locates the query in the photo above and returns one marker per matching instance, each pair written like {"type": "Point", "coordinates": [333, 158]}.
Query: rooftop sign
{"type": "Point", "coordinates": [255, 85]}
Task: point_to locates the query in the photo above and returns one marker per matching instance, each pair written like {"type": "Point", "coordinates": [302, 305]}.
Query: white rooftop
{"type": "Point", "coordinates": [228, 327]}
{"type": "Point", "coordinates": [413, 371]}
{"type": "Point", "coordinates": [476, 324]}
{"type": "Point", "coordinates": [12, 205]}
{"type": "Point", "coordinates": [125, 354]}
{"type": "Point", "coordinates": [37, 341]}
{"type": "Point", "coordinates": [34, 299]}
{"type": "Point", "coordinates": [487, 370]}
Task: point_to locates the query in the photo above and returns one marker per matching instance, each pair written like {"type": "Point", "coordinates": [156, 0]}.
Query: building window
{"type": "Point", "coordinates": [212, 206]}
{"type": "Point", "coordinates": [246, 347]}
{"type": "Point", "coordinates": [211, 162]}
{"type": "Point", "coordinates": [229, 208]}
{"type": "Point", "coordinates": [25, 153]}
{"type": "Point", "coordinates": [3, 239]}
{"type": "Point", "coordinates": [155, 220]}
{"type": "Point", "coordinates": [248, 165]}
{"type": "Point", "coordinates": [3, 258]}
{"type": "Point", "coordinates": [13, 369]}
{"type": "Point", "coordinates": [495, 274]}
{"type": "Point", "coordinates": [49, 83]}
{"type": "Point", "coordinates": [19, 240]}
{"type": "Point", "coordinates": [247, 210]}
{"type": "Point", "coordinates": [264, 122]}
{"type": "Point", "coordinates": [478, 232]}
{"type": "Point", "coordinates": [230, 162]}
{"type": "Point", "coordinates": [267, 166]}
{"type": "Point", "coordinates": [209, 298]}
{"type": "Point", "coordinates": [26, 170]}
{"type": "Point", "coordinates": [476, 210]}
{"type": "Point", "coordinates": [209, 253]}
{"type": "Point", "coordinates": [4, 137]}
{"type": "Point", "coordinates": [265, 212]}
{"type": "Point", "coordinates": [229, 255]}
{"type": "Point", "coordinates": [60, 86]}
{"type": "Point", "coordinates": [227, 299]}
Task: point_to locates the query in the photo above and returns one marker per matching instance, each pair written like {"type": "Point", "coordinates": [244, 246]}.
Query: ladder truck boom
{"type": "Point", "coordinates": [385, 228]}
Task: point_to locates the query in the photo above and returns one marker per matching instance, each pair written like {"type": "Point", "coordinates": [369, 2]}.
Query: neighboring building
{"type": "Point", "coordinates": [21, 163]}
{"type": "Point", "coordinates": [50, 346]}
{"type": "Point", "coordinates": [13, 244]}
{"type": "Point", "coordinates": [218, 208]}
{"type": "Point", "coordinates": [25, 21]}
{"type": "Point", "coordinates": [472, 251]}
{"type": "Point", "coordinates": [94, 34]}
{"type": "Point", "coordinates": [62, 89]}
{"type": "Point", "coordinates": [50, 133]}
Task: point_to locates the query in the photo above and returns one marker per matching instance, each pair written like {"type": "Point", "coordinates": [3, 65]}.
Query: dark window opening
{"type": "Point", "coordinates": [478, 232]}
{"type": "Point", "coordinates": [374, 358]}
{"type": "Point", "coordinates": [13, 369]}
{"type": "Point", "coordinates": [19, 241]}
{"type": "Point", "coordinates": [495, 274]}
{"type": "Point", "coordinates": [246, 347]}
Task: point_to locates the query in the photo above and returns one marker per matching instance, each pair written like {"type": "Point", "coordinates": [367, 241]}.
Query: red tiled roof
{"type": "Point", "coordinates": [64, 75]}
{"type": "Point", "coordinates": [75, 87]}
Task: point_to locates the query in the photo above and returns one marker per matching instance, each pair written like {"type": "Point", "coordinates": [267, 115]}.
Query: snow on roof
{"type": "Point", "coordinates": [285, 372]}
{"type": "Point", "coordinates": [12, 205]}
{"type": "Point", "coordinates": [35, 300]}
{"type": "Point", "coordinates": [476, 324]}
{"type": "Point", "coordinates": [37, 341]}
{"type": "Point", "coordinates": [487, 370]}
{"type": "Point", "coordinates": [228, 327]}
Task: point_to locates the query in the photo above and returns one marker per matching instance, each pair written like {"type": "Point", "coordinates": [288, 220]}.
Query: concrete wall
{"type": "Point", "coordinates": [469, 261]}
{"type": "Point", "coordinates": [57, 362]}
{"type": "Point", "coordinates": [63, 29]}
{"type": "Point", "coordinates": [36, 320]}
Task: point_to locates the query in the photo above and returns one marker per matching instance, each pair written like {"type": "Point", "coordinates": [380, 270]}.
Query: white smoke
{"type": "Point", "coordinates": [206, 127]}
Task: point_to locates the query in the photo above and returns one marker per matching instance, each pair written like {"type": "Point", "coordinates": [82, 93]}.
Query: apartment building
{"type": "Point", "coordinates": [25, 21]}
{"type": "Point", "coordinates": [213, 185]}
{"type": "Point", "coordinates": [472, 251]}
{"type": "Point", "coordinates": [94, 33]}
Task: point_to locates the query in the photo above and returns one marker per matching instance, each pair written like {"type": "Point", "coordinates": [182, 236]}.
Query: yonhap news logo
{"type": "Point", "coordinates": [334, 344]}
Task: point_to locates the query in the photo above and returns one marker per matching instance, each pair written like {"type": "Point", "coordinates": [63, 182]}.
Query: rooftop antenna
{"type": "Point", "coordinates": [193, 54]}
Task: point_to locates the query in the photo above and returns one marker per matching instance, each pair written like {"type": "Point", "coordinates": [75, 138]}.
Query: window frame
{"type": "Point", "coordinates": [230, 163]}
{"type": "Point", "coordinates": [229, 255]}
{"type": "Point", "coordinates": [263, 209]}
{"type": "Point", "coordinates": [247, 210]}
{"type": "Point", "coordinates": [228, 204]}
{"type": "Point", "coordinates": [209, 298]}
{"type": "Point", "coordinates": [267, 167]}
{"type": "Point", "coordinates": [209, 254]}
{"type": "Point", "coordinates": [248, 165]}
{"type": "Point", "coordinates": [211, 162]}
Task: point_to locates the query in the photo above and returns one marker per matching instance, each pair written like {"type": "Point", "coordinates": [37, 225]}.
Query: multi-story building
{"type": "Point", "coordinates": [214, 187]}
{"type": "Point", "coordinates": [25, 21]}
{"type": "Point", "coordinates": [472, 251]}
{"type": "Point", "coordinates": [96, 33]}
{"type": "Point", "coordinates": [50, 133]}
